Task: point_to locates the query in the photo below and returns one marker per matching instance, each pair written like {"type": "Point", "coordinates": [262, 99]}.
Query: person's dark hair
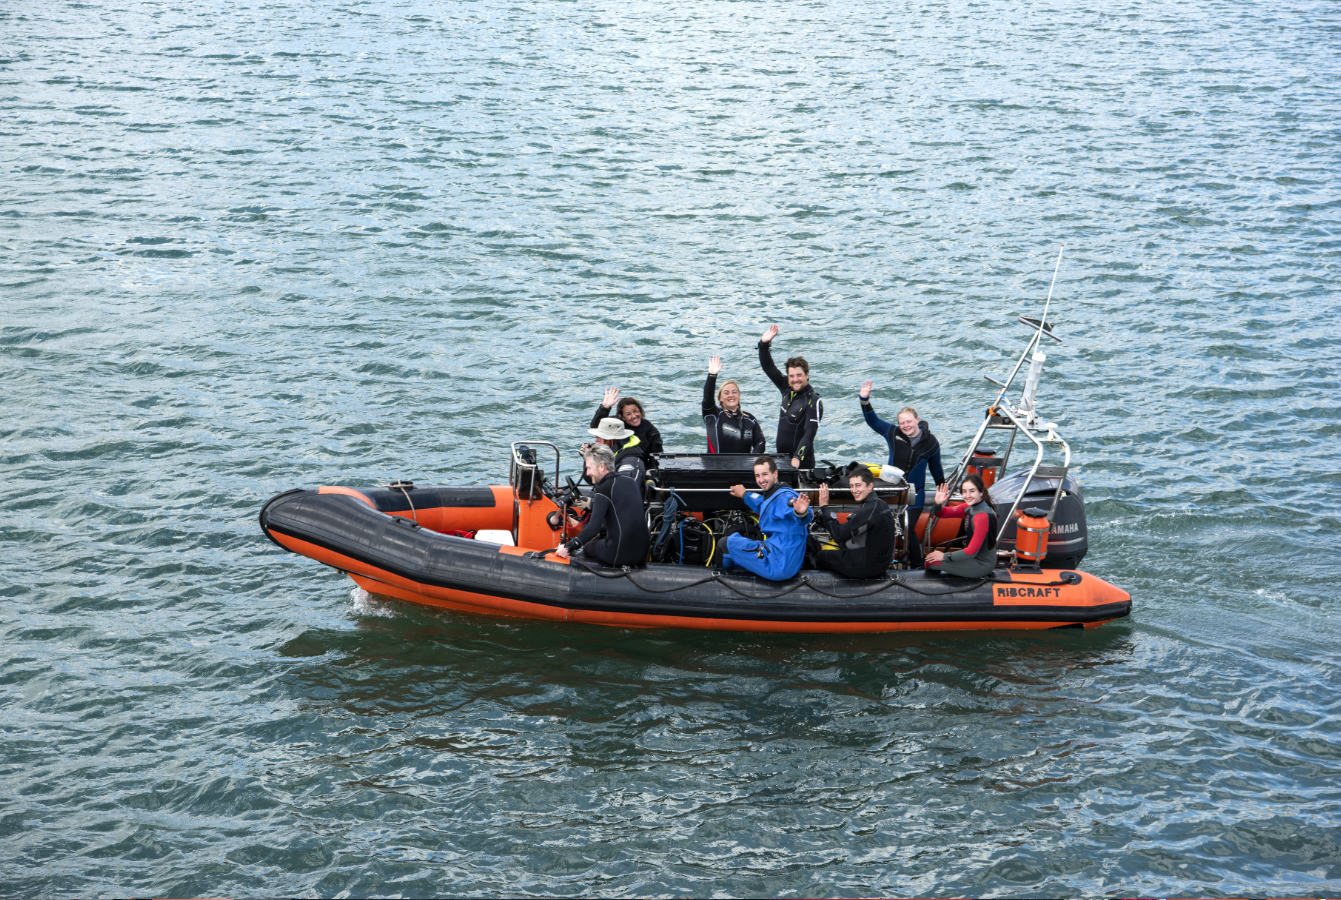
{"type": "Point", "coordinates": [799, 362]}
{"type": "Point", "coordinates": [627, 402]}
{"type": "Point", "coordinates": [765, 460]}
{"type": "Point", "coordinates": [976, 481]}
{"type": "Point", "coordinates": [862, 473]}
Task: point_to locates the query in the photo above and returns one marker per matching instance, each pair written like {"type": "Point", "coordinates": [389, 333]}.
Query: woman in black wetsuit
{"type": "Point", "coordinates": [631, 412]}
{"type": "Point", "coordinates": [730, 428]}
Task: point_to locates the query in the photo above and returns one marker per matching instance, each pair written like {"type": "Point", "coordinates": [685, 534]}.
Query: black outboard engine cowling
{"type": "Point", "coordinates": [1068, 538]}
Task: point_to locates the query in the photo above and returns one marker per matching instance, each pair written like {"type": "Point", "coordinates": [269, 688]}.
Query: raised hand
{"type": "Point", "coordinates": [823, 495]}
{"type": "Point", "coordinates": [801, 505]}
{"type": "Point", "coordinates": [865, 392]}
{"type": "Point", "coordinates": [611, 397]}
{"type": "Point", "coordinates": [714, 365]}
{"type": "Point", "coordinates": [769, 334]}
{"type": "Point", "coordinates": [942, 494]}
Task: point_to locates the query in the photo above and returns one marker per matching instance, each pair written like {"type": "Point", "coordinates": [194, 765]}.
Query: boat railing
{"type": "Point", "coordinates": [1038, 470]}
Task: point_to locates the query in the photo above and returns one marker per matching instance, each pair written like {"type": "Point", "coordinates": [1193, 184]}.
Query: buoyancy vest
{"type": "Point", "coordinates": [981, 562]}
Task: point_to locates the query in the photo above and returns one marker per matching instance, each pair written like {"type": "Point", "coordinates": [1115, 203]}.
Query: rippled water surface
{"type": "Point", "coordinates": [255, 246]}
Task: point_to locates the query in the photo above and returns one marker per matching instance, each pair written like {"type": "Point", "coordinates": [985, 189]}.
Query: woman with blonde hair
{"type": "Point", "coordinates": [730, 428]}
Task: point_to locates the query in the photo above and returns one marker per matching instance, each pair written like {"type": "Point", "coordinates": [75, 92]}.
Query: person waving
{"type": "Point", "coordinates": [730, 428]}
{"type": "Point", "coordinates": [801, 410]}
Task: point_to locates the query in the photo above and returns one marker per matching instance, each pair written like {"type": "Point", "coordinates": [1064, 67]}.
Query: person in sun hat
{"type": "Point", "coordinates": [625, 445]}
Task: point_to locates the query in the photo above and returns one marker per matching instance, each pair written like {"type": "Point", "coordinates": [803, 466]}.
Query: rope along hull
{"type": "Point", "coordinates": [389, 553]}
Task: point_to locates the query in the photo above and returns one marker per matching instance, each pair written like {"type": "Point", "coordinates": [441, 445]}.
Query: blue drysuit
{"type": "Point", "coordinates": [780, 554]}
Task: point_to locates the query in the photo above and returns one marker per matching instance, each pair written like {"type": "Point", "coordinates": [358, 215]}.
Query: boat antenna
{"type": "Point", "coordinates": [1041, 329]}
{"type": "Point", "coordinates": [1033, 343]}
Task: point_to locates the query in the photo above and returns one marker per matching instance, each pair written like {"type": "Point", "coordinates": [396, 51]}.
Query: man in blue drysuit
{"type": "Point", "coordinates": [784, 518]}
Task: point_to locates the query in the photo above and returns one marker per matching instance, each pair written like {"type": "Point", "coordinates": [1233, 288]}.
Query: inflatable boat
{"type": "Point", "coordinates": [489, 550]}
{"type": "Point", "coordinates": [437, 546]}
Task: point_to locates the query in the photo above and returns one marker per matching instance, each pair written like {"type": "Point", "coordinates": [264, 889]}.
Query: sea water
{"type": "Point", "coordinates": [255, 246]}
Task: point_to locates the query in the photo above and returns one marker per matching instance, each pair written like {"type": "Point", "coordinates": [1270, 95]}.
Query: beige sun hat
{"type": "Point", "coordinates": [610, 430]}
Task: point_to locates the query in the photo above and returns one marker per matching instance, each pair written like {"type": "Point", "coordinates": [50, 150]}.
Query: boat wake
{"type": "Point", "coordinates": [366, 604]}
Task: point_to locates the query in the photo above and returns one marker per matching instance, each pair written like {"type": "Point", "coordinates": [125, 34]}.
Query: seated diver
{"type": "Point", "coordinates": [784, 517]}
{"type": "Point", "coordinates": [866, 539]}
{"type": "Point", "coordinates": [616, 532]}
{"type": "Point", "coordinates": [978, 559]}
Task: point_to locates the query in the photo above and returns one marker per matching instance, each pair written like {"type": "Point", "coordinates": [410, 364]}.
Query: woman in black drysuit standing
{"type": "Point", "coordinates": [730, 428]}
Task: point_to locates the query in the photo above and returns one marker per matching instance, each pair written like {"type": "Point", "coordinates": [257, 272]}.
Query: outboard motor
{"type": "Point", "coordinates": [1068, 539]}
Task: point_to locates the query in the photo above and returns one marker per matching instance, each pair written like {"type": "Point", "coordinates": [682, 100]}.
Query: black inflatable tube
{"type": "Point", "coordinates": [347, 526]}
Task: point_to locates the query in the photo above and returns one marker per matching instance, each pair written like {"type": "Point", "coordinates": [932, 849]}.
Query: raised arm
{"type": "Point", "coordinates": [607, 404]}
{"type": "Point", "coordinates": [877, 424]}
{"type": "Point", "coordinates": [766, 359]}
{"type": "Point", "coordinates": [710, 386]}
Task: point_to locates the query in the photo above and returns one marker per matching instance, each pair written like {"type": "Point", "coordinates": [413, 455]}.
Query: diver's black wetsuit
{"type": "Point", "coordinates": [616, 534]}
{"type": "Point", "coordinates": [729, 432]}
{"type": "Point", "coordinates": [866, 540]}
{"type": "Point", "coordinates": [798, 417]}
{"type": "Point", "coordinates": [630, 462]}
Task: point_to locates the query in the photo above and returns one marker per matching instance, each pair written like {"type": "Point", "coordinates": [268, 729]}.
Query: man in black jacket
{"type": "Point", "coordinates": [616, 534]}
{"type": "Point", "coordinates": [866, 539]}
{"type": "Point", "coordinates": [801, 411]}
